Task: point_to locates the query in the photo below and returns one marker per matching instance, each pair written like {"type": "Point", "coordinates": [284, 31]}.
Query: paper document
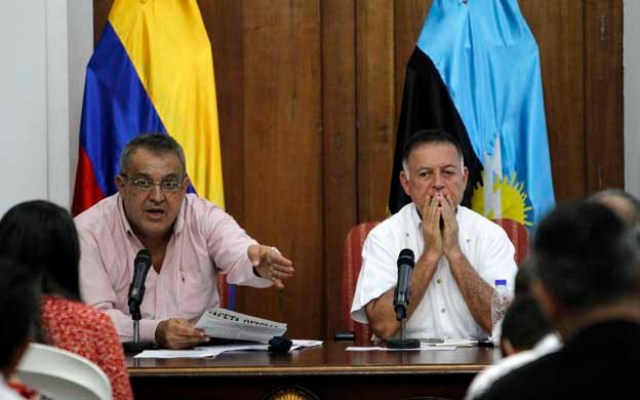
{"type": "Point", "coordinates": [458, 343]}
{"type": "Point", "coordinates": [428, 345]}
{"type": "Point", "coordinates": [226, 324]}
{"type": "Point", "coordinates": [212, 351]}
{"type": "Point", "coordinates": [421, 348]}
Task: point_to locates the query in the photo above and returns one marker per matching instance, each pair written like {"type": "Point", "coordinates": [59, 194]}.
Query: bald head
{"type": "Point", "coordinates": [622, 203]}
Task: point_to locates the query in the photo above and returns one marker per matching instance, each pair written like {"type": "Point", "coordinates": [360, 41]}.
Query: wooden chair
{"type": "Point", "coordinates": [519, 236]}
{"type": "Point", "coordinates": [351, 264]}
{"type": "Point", "coordinates": [223, 291]}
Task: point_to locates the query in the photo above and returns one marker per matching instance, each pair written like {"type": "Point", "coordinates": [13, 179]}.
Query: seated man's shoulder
{"type": "Point", "coordinates": [193, 204]}
{"type": "Point", "coordinates": [473, 221]}
{"type": "Point", "coordinates": [98, 216]}
{"type": "Point", "coordinates": [539, 376]}
{"type": "Point", "coordinates": [472, 216]}
{"type": "Point", "coordinates": [407, 215]}
{"type": "Point", "coordinates": [488, 376]}
{"type": "Point", "coordinates": [390, 227]}
{"type": "Point", "coordinates": [204, 214]}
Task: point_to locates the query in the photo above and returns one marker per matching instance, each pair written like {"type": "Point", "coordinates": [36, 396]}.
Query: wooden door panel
{"type": "Point", "coordinates": [375, 99]}
{"type": "Point", "coordinates": [283, 155]}
{"type": "Point", "coordinates": [604, 109]}
{"type": "Point", "coordinates": [340, 208]}
{"type": "Point", "coordinates": [558, 29]}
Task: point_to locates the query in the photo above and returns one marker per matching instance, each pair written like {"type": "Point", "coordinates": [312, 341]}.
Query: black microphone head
{"type": "Point", "coordinates": [406, 257]}
{"type": "Point", "coordinates": [279, 345]}
{"type": "Point", "coordinates": [141, 266]}
{"type": "Point", "coordinates": [143, 256]}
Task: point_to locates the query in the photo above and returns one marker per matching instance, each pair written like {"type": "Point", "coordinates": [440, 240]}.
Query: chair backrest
{"type": "Point", "coordinates": [60, 374]}
{"type": "Point", "coordinates": [223, 290]}
{"type": "Point", "coordinates": [519, 236]}
{"type": "Point", "coordinates": [351, 264]}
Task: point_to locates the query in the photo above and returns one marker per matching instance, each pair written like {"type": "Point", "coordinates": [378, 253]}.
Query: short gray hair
{"type": "Point", "coordinates": [630, 214]}
{"type": "Point", "coordinates": [157, 143]}
{"type": "Point", "coordinates": [425, 136]}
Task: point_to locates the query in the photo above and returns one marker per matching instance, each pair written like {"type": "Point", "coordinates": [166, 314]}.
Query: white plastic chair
{"type": "Point", "coordinates": [60, 374]}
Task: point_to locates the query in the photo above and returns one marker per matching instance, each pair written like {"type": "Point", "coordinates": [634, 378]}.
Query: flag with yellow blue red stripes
{"type": "Point", "coordinates": [152, 71]}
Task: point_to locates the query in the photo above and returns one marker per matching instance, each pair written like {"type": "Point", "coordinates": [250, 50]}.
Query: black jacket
{"type": "Point", "coordinates": [600, 361]}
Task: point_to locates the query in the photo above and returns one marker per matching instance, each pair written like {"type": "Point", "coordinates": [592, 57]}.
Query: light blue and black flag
{"type": "Point", "coordinates": [475, 73]}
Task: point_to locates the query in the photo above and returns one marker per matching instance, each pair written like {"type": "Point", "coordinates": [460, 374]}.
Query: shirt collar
{"type": "Point", "coordinates": [416, 218]}
{"type": "Point", "coordinates": [123, 216]}
{"type": "Point", "coordinates": [179, 224]}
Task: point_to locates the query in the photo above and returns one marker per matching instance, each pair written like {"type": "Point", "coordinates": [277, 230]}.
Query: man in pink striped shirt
{"type": "Point", "coordinates": [190, 239]}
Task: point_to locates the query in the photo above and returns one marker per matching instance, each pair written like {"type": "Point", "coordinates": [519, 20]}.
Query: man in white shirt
{"type": "Point", "coordinates": [459, 253]}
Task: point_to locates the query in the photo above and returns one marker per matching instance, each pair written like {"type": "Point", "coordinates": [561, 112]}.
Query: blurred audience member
{"type": "Point", "coordinates": [585, 260]}
{"type": "Point", "coordinates": [42, 236]}
{"type": "Point", "coordinates": [623, 203]}
{"type": "Point", "coordinates": [18, 311]}
{"type": "Point", "coordinates": [526, 335]}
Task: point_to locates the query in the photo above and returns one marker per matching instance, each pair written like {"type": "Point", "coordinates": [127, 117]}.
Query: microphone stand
{"type": "Point", "coordinates": [136, 331]}
{"type": "Point", "coordinates": [142, 263]}
{"type": "Point", "coordinates": [135, 346]}
{"type": "Point", "coordinates": [403, 343]}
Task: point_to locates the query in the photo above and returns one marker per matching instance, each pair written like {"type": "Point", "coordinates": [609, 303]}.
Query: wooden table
{"type": "Point", "coordinates": [326, 372]}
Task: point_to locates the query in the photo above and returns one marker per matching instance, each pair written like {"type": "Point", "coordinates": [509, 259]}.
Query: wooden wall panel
{"type": "Point", "coordinates": [283, 155]}
{"type": "Point", "coordinates": [409, 16]}
{"type": "Point", "coordinates": [604, 127]}
{"type": "Point", "coordinates": [339, 144]}
{"type": "Point", "coordinates": [221, 19]}
{"type": "Point", "coordinates": [100, 15]}
{"type": "Point", "coordinates": [558, 28]}
{"type": "Point", "coordinates": [375, 77]}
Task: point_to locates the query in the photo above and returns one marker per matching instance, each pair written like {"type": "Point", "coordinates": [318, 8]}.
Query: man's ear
{"type": "Point", "coordinates": [119, 183]}
{"type": "Point", "coordinates": [185, 184]}
{"type": "Point", "coordinates": [404, 181]}
{"type": "Point", "coordinates": [465, 175]}
{"type": "Point", "coordinates": [507, 348]}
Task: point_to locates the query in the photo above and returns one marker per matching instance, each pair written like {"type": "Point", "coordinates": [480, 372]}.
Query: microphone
{"type": "Point", "coordinates": [401, 300]}
{"type": "Point", "coordinates": [141, 266]}
{"type": "Point", "coordinates": [403, 288]}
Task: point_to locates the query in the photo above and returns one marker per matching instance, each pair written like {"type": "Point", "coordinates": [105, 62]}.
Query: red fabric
{"type": "Point", "coordinates": [23, 390]}
{"type": "Point", "coordinates": [83, 330]}
{"type": "Point", "coordinates": [223, 291]}
{"type": "Point", "coordinates": [351, 264]}
{"type": "Point", "coordinates": [519, 236]}
{"type": "Point", "coordinates": [87, 192]}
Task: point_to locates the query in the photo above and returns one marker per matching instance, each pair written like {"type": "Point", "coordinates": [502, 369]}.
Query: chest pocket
{"type": "Point", "coordinates": [194, 290]}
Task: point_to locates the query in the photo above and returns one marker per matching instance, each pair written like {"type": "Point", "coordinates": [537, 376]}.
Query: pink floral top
{"type": "Point", "coordinates": [88, 332]}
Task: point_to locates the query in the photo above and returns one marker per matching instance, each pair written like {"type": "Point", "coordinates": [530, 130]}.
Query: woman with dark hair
{"type": "Point", "coordinates": [42, 237]}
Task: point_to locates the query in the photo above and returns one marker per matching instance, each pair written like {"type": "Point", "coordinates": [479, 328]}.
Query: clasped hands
{"type": "Point", "coordinates": [437, 240]}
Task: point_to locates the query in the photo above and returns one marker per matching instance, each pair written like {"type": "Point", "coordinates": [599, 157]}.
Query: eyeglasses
{"type": "Point", "coordinates": [146, 185]}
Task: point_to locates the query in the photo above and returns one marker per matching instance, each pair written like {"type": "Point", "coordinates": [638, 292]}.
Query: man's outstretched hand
{"type": "Point", "coordinates": [270, 264]}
